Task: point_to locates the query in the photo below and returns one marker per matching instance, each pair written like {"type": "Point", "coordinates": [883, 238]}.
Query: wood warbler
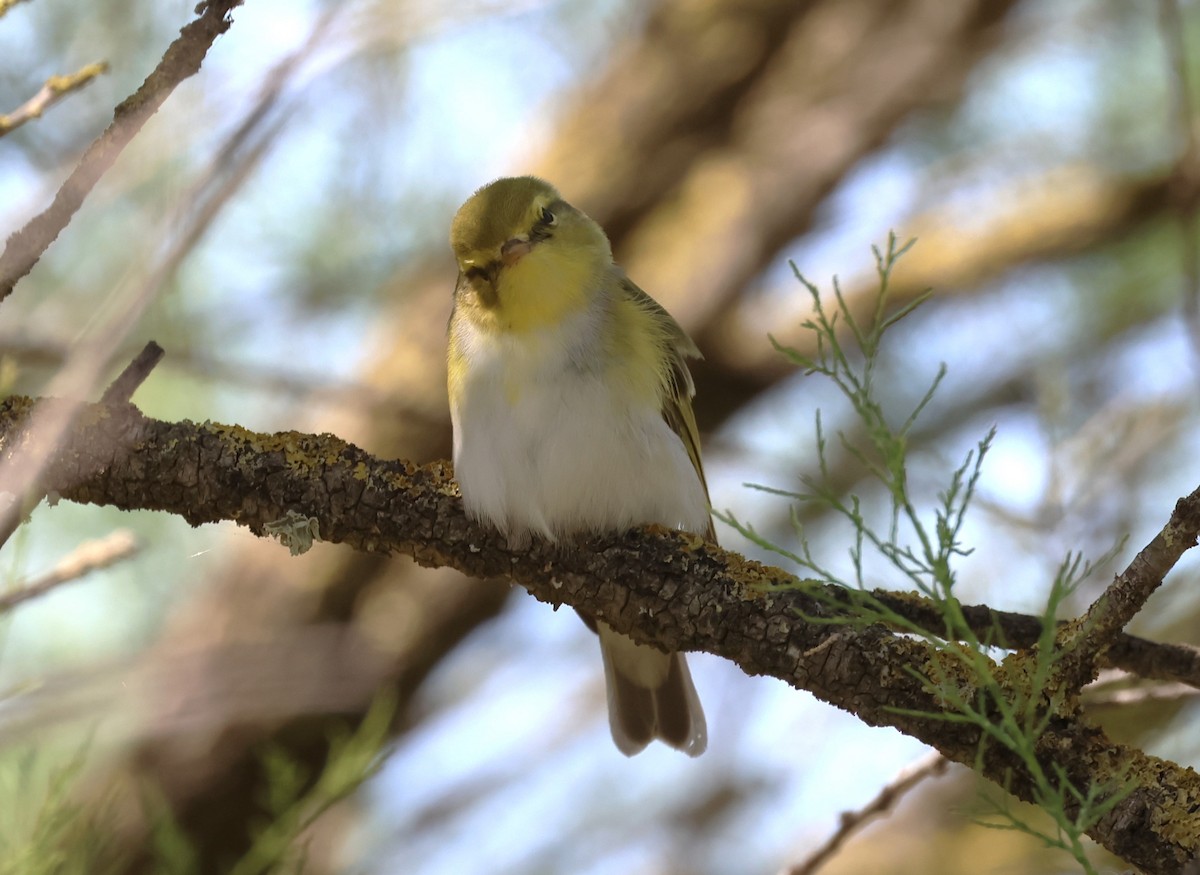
{"type": "Point", "coordinates": [572, 409]}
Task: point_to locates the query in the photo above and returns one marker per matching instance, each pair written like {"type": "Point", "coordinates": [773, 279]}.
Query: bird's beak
{"type": "Point", "coordinates": [514, 250]}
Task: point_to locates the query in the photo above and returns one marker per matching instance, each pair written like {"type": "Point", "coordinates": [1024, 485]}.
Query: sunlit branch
{"type": "Point", "coordinates": [1102, 696]}
{"type": "Point", "coordinates": [55, 89]}
{"type": "Point", "coordinates": [850, 822]}
{"type": "Point", "coordinates": [181, 60]}
{"type": "Point", "coordinates": [83, 560]}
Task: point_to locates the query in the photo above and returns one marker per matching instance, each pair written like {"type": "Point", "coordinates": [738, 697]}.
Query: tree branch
{"type": "Point", "coordinates": [181, 60]}
{"type": "Point", "coordinates": [1012, 631]}
{"type": "Point", "coordinates": [55, 89]}
{"type": "Point", "coordinates": [6, 5]}
{"type": "Point", "coordinates": [889, 795]}
{"type": "Point", "coordinates": [20, 479]}
{"type": "Point", "coordinates": [670, 589]}
{"type": "Point", "coordinates": [1083, 640]}
{"type": "Point", "coordinates": [83, 560]}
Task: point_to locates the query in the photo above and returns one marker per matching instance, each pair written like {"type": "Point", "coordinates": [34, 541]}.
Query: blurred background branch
{"type": "Point", "coordinates": [55, 89]}
{"type": "Point", "coordinates": [83, 560]}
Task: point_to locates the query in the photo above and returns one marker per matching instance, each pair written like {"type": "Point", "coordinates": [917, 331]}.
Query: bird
{"type": "Point", "coordinates": [571, 406]}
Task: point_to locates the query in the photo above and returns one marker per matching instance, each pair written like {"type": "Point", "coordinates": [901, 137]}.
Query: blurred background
{"type": "Point", "coordinates": [1042, 154]}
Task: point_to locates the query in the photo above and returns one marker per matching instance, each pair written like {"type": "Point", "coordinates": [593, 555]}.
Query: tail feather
{"type": "Point", "coordinates": [650, 695]}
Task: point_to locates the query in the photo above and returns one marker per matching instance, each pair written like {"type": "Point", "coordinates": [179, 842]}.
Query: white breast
{"type": "Point", "coordinates": [544, 447]}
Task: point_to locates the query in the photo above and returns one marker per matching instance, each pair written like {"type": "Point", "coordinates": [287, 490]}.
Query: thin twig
{"type": "Point", "coordinates": [852, 821]}
{"type": "Point", "coordinates": [316, 669]}
{"type": "Point", "coordinates": [181, 60]}
{"type": "Point", "coordinates": [83, 560]}
{"type": "Point", "coordinates": [1083, 640]}
{"type": "Point", "coordinates": [23, 467]}
{"type": "Point", "coordinates": [1094, 699]}
{"type": "Point", "coordinates": [279, 380]}
{"type": "Point", "coordinates": [122, 388]}
{"type": "Point", "coordinates": [55, 89]}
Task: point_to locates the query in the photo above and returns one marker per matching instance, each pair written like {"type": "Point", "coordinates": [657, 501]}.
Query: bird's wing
{"type": "Point", "coordinates": [679, 388]}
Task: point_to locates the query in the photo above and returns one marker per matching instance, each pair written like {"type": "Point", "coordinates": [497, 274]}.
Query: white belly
{"type": "Point", "coordinates": [542, 447]}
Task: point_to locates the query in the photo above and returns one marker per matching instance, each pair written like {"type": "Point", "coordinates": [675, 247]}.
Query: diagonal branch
{"type": "Point", "coordinates": [181, 60]}
{"type": "Point", "coordinates": [930, 765]}
{"type": "Point", "coordinates": [54, 90]}
{"type": "Point", "coordinates": [670, 589]}
{"type": "Point", "coordinates": [83, 560]}
{"type": "Point", "coordinates": [135, 373]}
{"type": "Point", "coordinates": [19, 479]}
{"type": "Point", "coordinates": [1084, 639]}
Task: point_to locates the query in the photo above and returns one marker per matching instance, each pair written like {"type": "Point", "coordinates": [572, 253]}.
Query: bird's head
{"type": "Point", "coordinates": [527, 259]}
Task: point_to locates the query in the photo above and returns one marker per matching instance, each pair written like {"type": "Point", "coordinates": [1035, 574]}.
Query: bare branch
{"type": "Point", "coordinates": [314, 669]}
{"type": "Point", "coordinates": [1054, 216]}
{"type": "Point", "coordinates": [1096, 697]}
{"type": "Point", "coordinates": [928, 766]}
{"type": "Point", "coordinates": [181, 60]}
{"type": "Point", "coordinates": [55, 89]}
{"type": "Point", "coordinates": [122, 388]}
{"type": "Point", "coordinates": [279, 380]}
{"type": "Point", "coordinates": [83, 560]}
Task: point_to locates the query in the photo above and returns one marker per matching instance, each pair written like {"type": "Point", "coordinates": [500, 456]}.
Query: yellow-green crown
{"type": "Point", "coordinates": [498, 211]}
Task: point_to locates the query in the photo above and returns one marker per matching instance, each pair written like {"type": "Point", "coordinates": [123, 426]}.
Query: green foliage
{"type": "Point", "coordinates": [1008, 703]}
{"type": "Point", "coordinates": [45, 828]}
{"type": "Point", "coordinates": [49, 825]}
{"type": "Point", "coordinates": [353, 758]}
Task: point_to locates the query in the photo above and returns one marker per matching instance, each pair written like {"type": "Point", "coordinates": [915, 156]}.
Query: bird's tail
{"type": "Point", "coordinates": [650, 695]}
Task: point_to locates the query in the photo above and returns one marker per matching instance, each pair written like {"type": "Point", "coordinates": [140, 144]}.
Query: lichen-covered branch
{"type": "Point", "coordinates": [668, 588]}
{"type": "Point", "coordinates": [1151, 660]}
{"type": "Point", "coordinates": [1084, 639]}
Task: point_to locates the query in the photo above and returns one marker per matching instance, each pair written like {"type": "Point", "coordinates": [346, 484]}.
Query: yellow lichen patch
{"type": "Point", "coordinates": [1175, 817]}
{"type": "Point", "coordinates": [759, 580]}
{"type": "Point", "coordinates": [234, 433]}
{"type": "Point", "coordinates": [691, 540]}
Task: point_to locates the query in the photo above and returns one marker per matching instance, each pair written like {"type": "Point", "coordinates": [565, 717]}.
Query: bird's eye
{"type": "Point", "coordinates": [548, 217]}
